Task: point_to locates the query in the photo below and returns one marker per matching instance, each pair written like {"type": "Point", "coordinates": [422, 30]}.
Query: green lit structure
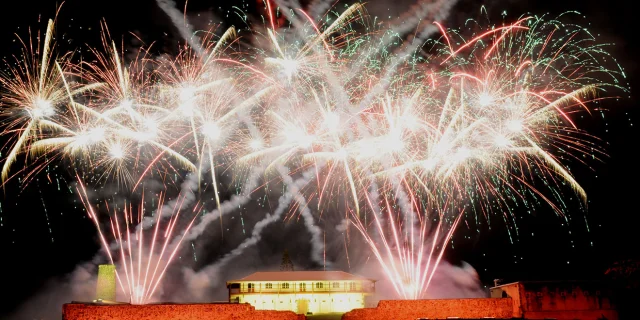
{"type": "Point", "coordinates": [106, 284]}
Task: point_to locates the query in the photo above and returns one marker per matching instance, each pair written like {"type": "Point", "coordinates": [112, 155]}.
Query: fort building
{"type": "Point", "coordinates": [303, 292]}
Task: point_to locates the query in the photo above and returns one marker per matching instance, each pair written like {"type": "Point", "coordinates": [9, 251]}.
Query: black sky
{"type": "Point", "coordinates": [36, 245]}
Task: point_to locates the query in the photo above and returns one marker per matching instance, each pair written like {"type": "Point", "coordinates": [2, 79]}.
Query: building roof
{"type": "Point", "coordinates": [300, 276]}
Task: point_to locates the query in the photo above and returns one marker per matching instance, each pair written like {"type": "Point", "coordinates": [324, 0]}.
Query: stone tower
{"type": "Point", "coordinates": [106, 284]}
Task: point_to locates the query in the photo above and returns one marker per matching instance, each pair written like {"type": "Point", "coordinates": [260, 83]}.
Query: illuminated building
{"type": "Point", "coordinates": [303, 292]}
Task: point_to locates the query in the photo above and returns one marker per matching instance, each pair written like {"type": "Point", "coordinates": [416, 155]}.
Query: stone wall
{"type": "Point", "coordinates": [566, 297]}
{"type": "Point", "coordinates": [573, 314]}
{"type": "Point", "coordinates": [559, 300]}
{"type": "Point", "coordinates": [499, 308]}
{"type": "Point", "coordinates": [219, 311]}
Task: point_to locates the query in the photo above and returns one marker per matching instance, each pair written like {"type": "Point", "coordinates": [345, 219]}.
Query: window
{"type": "Point", "coordinates": [268, 286]}
{"type": "Point", "coordinates": [303, 287]}
{"type": "Point", "coordinates": [336, 285]}
{"type": "Point", "coordinates": [319, 285]}
{"type": "Point", "coordinates": [251, 287]}
{"type": "Point", "coordinates": [352, 286]}
{"type": "Point", "coordinates": [284, 286]}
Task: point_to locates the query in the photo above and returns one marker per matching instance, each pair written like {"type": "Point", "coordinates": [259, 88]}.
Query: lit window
{"type": "Point", "coordinates": [319, 285]}
{"type": "Point", "coordinates": [268, 286]}
{"type": "Point", "coordinates": [303, 287]}
{"type": "Point", "coordinates": [352, 286]}
{"type": "Point", "coordinates": [284, 286]}
{"type": "Point", "coordinates": [336, 285]}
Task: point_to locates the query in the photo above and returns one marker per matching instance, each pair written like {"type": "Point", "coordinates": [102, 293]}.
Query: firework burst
{"type": "Point", "coordinates": [409, 142]}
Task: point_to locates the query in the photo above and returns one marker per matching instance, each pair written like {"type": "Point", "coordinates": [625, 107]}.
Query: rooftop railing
{"type": "Point", "coordinates": [297, 288]}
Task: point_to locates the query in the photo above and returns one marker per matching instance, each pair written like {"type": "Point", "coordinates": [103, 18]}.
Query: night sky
{"type": "Point", "coordinates": [44, 233]}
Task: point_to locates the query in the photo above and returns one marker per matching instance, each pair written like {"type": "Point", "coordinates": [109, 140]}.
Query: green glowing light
{"type": "Point", "coordinates": [106, 284]}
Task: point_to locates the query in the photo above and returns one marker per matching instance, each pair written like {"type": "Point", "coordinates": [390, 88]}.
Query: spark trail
{"type": "Point", "coordinates": [142, 264]}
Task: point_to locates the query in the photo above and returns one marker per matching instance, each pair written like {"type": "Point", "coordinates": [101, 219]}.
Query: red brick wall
{"type": "Point", "coordinates": [517, 293]}
{"type": "Point", "coordinates": [500, 308]}
{"type": "Point", "coordinates": [573, 314]}
{"type": "Point", "coordinates": [553, 299]}
{"type": "Point", "coordinates": [559, 300]}
{"type": "Point", "coordinates": [230, 311]}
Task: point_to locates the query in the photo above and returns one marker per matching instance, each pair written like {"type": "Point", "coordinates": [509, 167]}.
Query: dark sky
{"type": "Point", "coordinates": [44, 234]}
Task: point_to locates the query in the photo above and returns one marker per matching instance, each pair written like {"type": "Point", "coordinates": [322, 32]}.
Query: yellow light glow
{"type": "Point", "coordinates": [485, 99]}
{"type": "Point", "coordinates": [514, 125]}
{"type": "Point", "coordinates": [332, 121]}
{"type": "Point", "coordinates": [255, 145]}
{"type": "Point", "coordinates": [116, 151]}
{"type": "Point", "coordinates": [501, 141]}
{"type": "Point", "coordinates": [42, 108]}
{"type": "Point", "coordinates": [211, 130]}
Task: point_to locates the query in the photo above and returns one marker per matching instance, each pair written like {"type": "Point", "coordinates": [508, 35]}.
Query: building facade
{"type": "Point", "coordinates": [303, 292]}
{"type": "Point", "coordinates": [558, 300]}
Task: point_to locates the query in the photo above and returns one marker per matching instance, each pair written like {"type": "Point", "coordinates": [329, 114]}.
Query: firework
{"type": "Point", "coordinates": [411, 139]}
{"type": "Point", "coordinates": [491, 117]}
{"type": "Point", "coordinates": [142, 265]}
